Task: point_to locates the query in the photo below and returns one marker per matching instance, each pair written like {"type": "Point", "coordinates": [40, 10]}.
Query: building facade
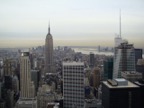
{"type": "Point", "coordinates": [96, 77]}
{"type": "Point", "coordinates": [120, 93]}
{"type": "Point", "coordinates": [124, 59]}
{"type": "Point", "coordinates": [26, 85]}
{"type": "Point", "coordinates": [141, 85]}
{"type": "Point", "coordinates": [73, 84]}
{"type": "Point", "coordinates": [118, 41]}
{"type": "Point", "coordinates": [138, 55]}
{"type": "Point", "coordinates": [108, 69]}
{"type": "Point", "coordinates": [45, 96]}
{"type": "Point", "coordinates": [8, 67]}
{"type": "Point", "coordinates": [92, 60]}
{"type": "Point", "coordinates": [132, 75]}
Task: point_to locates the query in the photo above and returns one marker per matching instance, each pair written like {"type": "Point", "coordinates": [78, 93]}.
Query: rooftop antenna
{"type": "Point", "coordinates": [120, 23]}
{"type": "Point", "coordinates": [49, 27]}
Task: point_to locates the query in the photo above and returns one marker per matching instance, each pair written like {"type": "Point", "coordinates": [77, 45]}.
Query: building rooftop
{"type": "Point", "coordinates": [131, 73]}
{"type": "Point", "coordinates": [140, 83]}
{"type": "Point", "coordinates": [120, 85]}
{"type": "Point", "coordinates": [26, 101]}
{"type": "Point", "coordinates": [120, 79]}
{"type": "Point", "coordinates": [71, 63]}
{"type": "Point", "coordinates": [25, 54]}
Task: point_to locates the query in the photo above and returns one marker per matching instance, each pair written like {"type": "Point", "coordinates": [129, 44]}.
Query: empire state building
{"type": "Point", "coordinates": [49, 52]}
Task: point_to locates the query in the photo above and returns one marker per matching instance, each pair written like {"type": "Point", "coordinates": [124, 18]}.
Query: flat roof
{"type": "Point", "coordinates": [73, 63]}
{"type": "Point", "coordinates": [131, 73]}
{"type": "Point", "coordinates": [26, 101]}
{"type": "Point", "coordinates": [139, 83]}
{"type": "Point", "coordinates": [130, 85]}
{"type": "Point", "coordinates": [120, 79]}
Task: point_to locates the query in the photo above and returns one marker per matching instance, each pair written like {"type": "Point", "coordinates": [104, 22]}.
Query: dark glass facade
{"type": "Point", "coordinates": [120, 97]}
{"type": "Point", "coordinates": [108, 68]}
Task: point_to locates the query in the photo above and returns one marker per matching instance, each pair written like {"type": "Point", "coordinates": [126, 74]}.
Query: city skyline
{"type": "Point", "coordinates": [73, 23]}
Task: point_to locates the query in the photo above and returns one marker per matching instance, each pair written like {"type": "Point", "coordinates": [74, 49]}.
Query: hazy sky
{"type": "Point", "coordinates": [73, 22]}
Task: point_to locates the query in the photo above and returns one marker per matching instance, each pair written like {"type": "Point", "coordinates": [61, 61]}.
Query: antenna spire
{"type": "Point", "coordinates": [120, 23]}
{"type": "Point", "coordinates": [49, 28]}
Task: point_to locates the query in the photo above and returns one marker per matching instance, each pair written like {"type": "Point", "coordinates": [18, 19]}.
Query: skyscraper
{"type": "Point", "coordinates": [96, 77]}
{"type": "Point", "coordinates": [8, 67]}
{"type": "Point", "coordinates": [124, 59]}
{"type": "Point", "coordinates": [27, 89]}
{"type": "Point", "coordinates": [73, 84]}
{"type": "Point", "coordinates": [49, 52]}
{"type": "Point", "coordinates": [92, 60]}
{"type": "Point", "coordinates": [26, 85]}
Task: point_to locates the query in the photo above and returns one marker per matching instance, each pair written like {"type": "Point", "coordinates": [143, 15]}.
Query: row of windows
{"type": "Point", "coordinates": [69, 105]}
{"type": "Point", "coordinates": [75, 94]}
{"type": "Point", "coordinates": [72, 83]}
{"type": "Point", "coordinates": [73, 79]}
{"type": "Point", "coordinates": [71, 100]}
{"type": "Point", "coordinates": [73, 75]}
{"type": "Point", "coordinates": [74, 89]}
{"type": "Point", "coordinates": [72, 67]}
{"type": "Point", "coordinates": [72, 72]}
{"type": "Point", "coordinates": [80, 89]}
{"type": "Point", "coordinates": [74, 98]}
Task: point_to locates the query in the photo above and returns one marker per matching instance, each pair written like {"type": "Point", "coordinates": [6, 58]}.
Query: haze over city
{"type": "Point", "coordinates": [73, 23]}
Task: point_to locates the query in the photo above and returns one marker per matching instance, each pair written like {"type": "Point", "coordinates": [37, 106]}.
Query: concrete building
{"type": "Point", "coordinates": [49, 52]}
{"type": "Point", "coordinates": [124, 59]}
{"type": "Point", "coordinates": [96, 77]}
{"type": "Point", "coordinates": [8, 67]}
{"type": "Point", "coordinates": [120, 93]}
{"type": "Point", "coordinates": [26, 103]}
{"type": "Point", "coordinates": [53, 105]}
{"type": "Point", "coordinates": [131, 75]}
{"type": "Point", "coordinates": [35, 63]}
{"type": "Point", "coordinates": [92, 103]}
{"type": "Point", "coordinates": [140, 62]}
{"type": "Point", "coordinates": [26, 85]}
{"type": "Point", "coordinates": [140, 66]}
{"type": "Point", "coordinates": [45, 96]}
{"type": "Point", "coordinates": [73, 84]}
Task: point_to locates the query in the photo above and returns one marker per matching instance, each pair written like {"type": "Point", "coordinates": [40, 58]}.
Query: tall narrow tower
{"type": "Point", "coordinates": [26, 85]}
{"type": "Point", "coordinates": [49, 52]}
{"type": "Point", "coordinates": [120, 24]}
{"type": "Point", "coordinates": [118, 39]}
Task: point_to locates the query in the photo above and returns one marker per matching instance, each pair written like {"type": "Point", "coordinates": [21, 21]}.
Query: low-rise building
{"type": "Point", "coordinates": [131, 75]}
